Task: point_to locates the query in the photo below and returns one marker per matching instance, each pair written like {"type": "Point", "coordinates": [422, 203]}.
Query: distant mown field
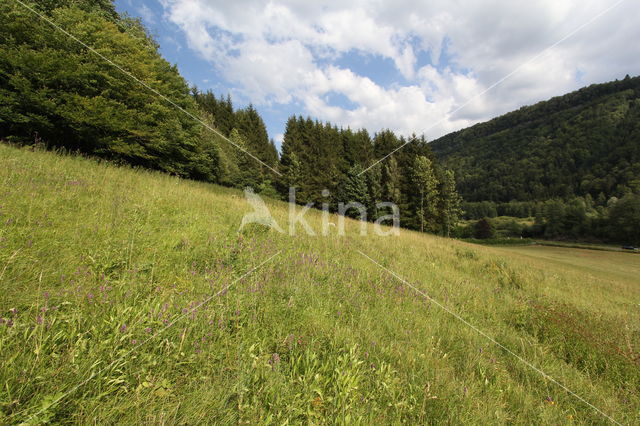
{"type": "Point", "coordinates": [604, 264]}
{"type": "Point", "coordinates": [130, 297]}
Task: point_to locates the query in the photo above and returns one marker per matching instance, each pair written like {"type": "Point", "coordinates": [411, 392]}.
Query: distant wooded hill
{"type": "Point", "coordinates": [584, 143]}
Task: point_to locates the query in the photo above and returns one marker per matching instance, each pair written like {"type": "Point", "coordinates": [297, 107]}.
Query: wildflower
{"type": "Point", "coordinates": [123, 328]}
{"type": "Point", "coordinates": [147, 330]}
{"type": "Point", "coordinates": [550, 400]}
{"type": "Point", "coordinates": [39, 319]}
{"type": "Point", "coordinates": [134, 342]}
{"type": "Point", "coordinates": [275, 360]}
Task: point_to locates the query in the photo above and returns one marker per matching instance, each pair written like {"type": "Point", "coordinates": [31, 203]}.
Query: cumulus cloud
{"type": "Point", "coordinates": [284, 52]}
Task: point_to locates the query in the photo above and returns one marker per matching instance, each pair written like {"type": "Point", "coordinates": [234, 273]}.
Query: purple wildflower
{"type": "Point", "coordinates": [275, 360]}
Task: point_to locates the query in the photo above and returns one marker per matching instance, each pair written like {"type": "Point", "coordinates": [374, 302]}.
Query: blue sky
{"type": "Point", "coordinates": [423, 67]}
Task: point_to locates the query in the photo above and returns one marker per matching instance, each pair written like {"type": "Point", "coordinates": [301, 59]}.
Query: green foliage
{"type": "Point", "coordinates": [425, 193]}
{"type": "Point", "coordinates": [449, 208]}
{"type": "Point", "coordinates": [585, 142]}
{"type": "Point", "coordinates": [484, 229]}
{"type": "Point", "coordinates": [624, 219]}
{"type": "Point", "coordinates": [391, 181]}
{"type": "Point", "coordinates": [54, 90]}
{"type": "Point", "coordinates": [318, 156]}
{"type": "Point", "coordinates": [354, 190]}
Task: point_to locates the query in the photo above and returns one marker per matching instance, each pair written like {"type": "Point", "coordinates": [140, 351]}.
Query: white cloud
{"type": "Point", "coordinates": [277, 53]}
{"type": "Point", "coordinates": [147, 14]}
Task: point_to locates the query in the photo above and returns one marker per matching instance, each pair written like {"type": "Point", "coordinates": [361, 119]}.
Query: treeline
{"type": "Point", "coordinates": [135, 108]}
{"type": "Point", "coordinates": [479, 210]}
{"type": "Point", "coordinates": [319, 157]}
{"type": "Point", "coordinates": [238, 163]}
{"type": "Point", "coordinates": [580, 218]}
{"type": "Point", "coordinates": [583, 143]}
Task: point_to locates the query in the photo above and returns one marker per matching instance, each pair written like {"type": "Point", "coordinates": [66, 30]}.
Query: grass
{"type": "Point", "coordinates": [95, 260]}
{"type": "Point", "coordinates": [586, 246]}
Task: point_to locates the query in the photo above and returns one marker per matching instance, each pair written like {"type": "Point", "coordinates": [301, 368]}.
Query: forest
{"type": "Point", "coordinates": [572, 163]}
{"type": "Point", "coordinates": [583, 143]}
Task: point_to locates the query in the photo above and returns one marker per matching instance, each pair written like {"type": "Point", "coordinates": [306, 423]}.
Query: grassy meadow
{"type": "Point", "coordinates": [104, 271]}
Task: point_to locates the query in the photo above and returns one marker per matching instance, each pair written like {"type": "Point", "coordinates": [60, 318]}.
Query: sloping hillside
{"type": "Point", "coordinates": [131, 297]}
{"type": "Point", "coordinates": [585, 142]}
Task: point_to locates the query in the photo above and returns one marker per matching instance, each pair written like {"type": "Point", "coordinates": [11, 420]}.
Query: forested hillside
{"type": "Point", "coordinates": [583, 143]}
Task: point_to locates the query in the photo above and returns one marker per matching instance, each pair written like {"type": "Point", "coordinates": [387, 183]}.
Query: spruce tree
{"type": "Point", "coordinates": [390, 181]}
{"type": "Point", "coordinates": [354, 190]}
{"type": "Point", "coordinates": [373, 177]}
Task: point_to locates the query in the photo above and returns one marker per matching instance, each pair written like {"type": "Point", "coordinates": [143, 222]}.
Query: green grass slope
{"type": "Point", "coordinates": [104, 272]}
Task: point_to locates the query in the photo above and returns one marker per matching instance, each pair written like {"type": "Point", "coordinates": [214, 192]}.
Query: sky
{"type": "Point", "coordinates": [423, 67]}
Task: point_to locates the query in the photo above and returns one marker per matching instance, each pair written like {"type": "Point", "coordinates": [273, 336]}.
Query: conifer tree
{"type": "Point", "coordinates": [354, 190]}
{"type": "Point", "coordinates": [390, 181]}
{"type": "Point", "coordinates": [373, 177]}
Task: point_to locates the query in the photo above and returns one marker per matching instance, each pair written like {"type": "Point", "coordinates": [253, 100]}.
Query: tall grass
{"type": "Point", "coordinates": [96, 260]}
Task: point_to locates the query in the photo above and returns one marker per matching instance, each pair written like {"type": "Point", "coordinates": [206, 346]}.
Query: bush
{"type": "Point", "coordinates": [484, 229]}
